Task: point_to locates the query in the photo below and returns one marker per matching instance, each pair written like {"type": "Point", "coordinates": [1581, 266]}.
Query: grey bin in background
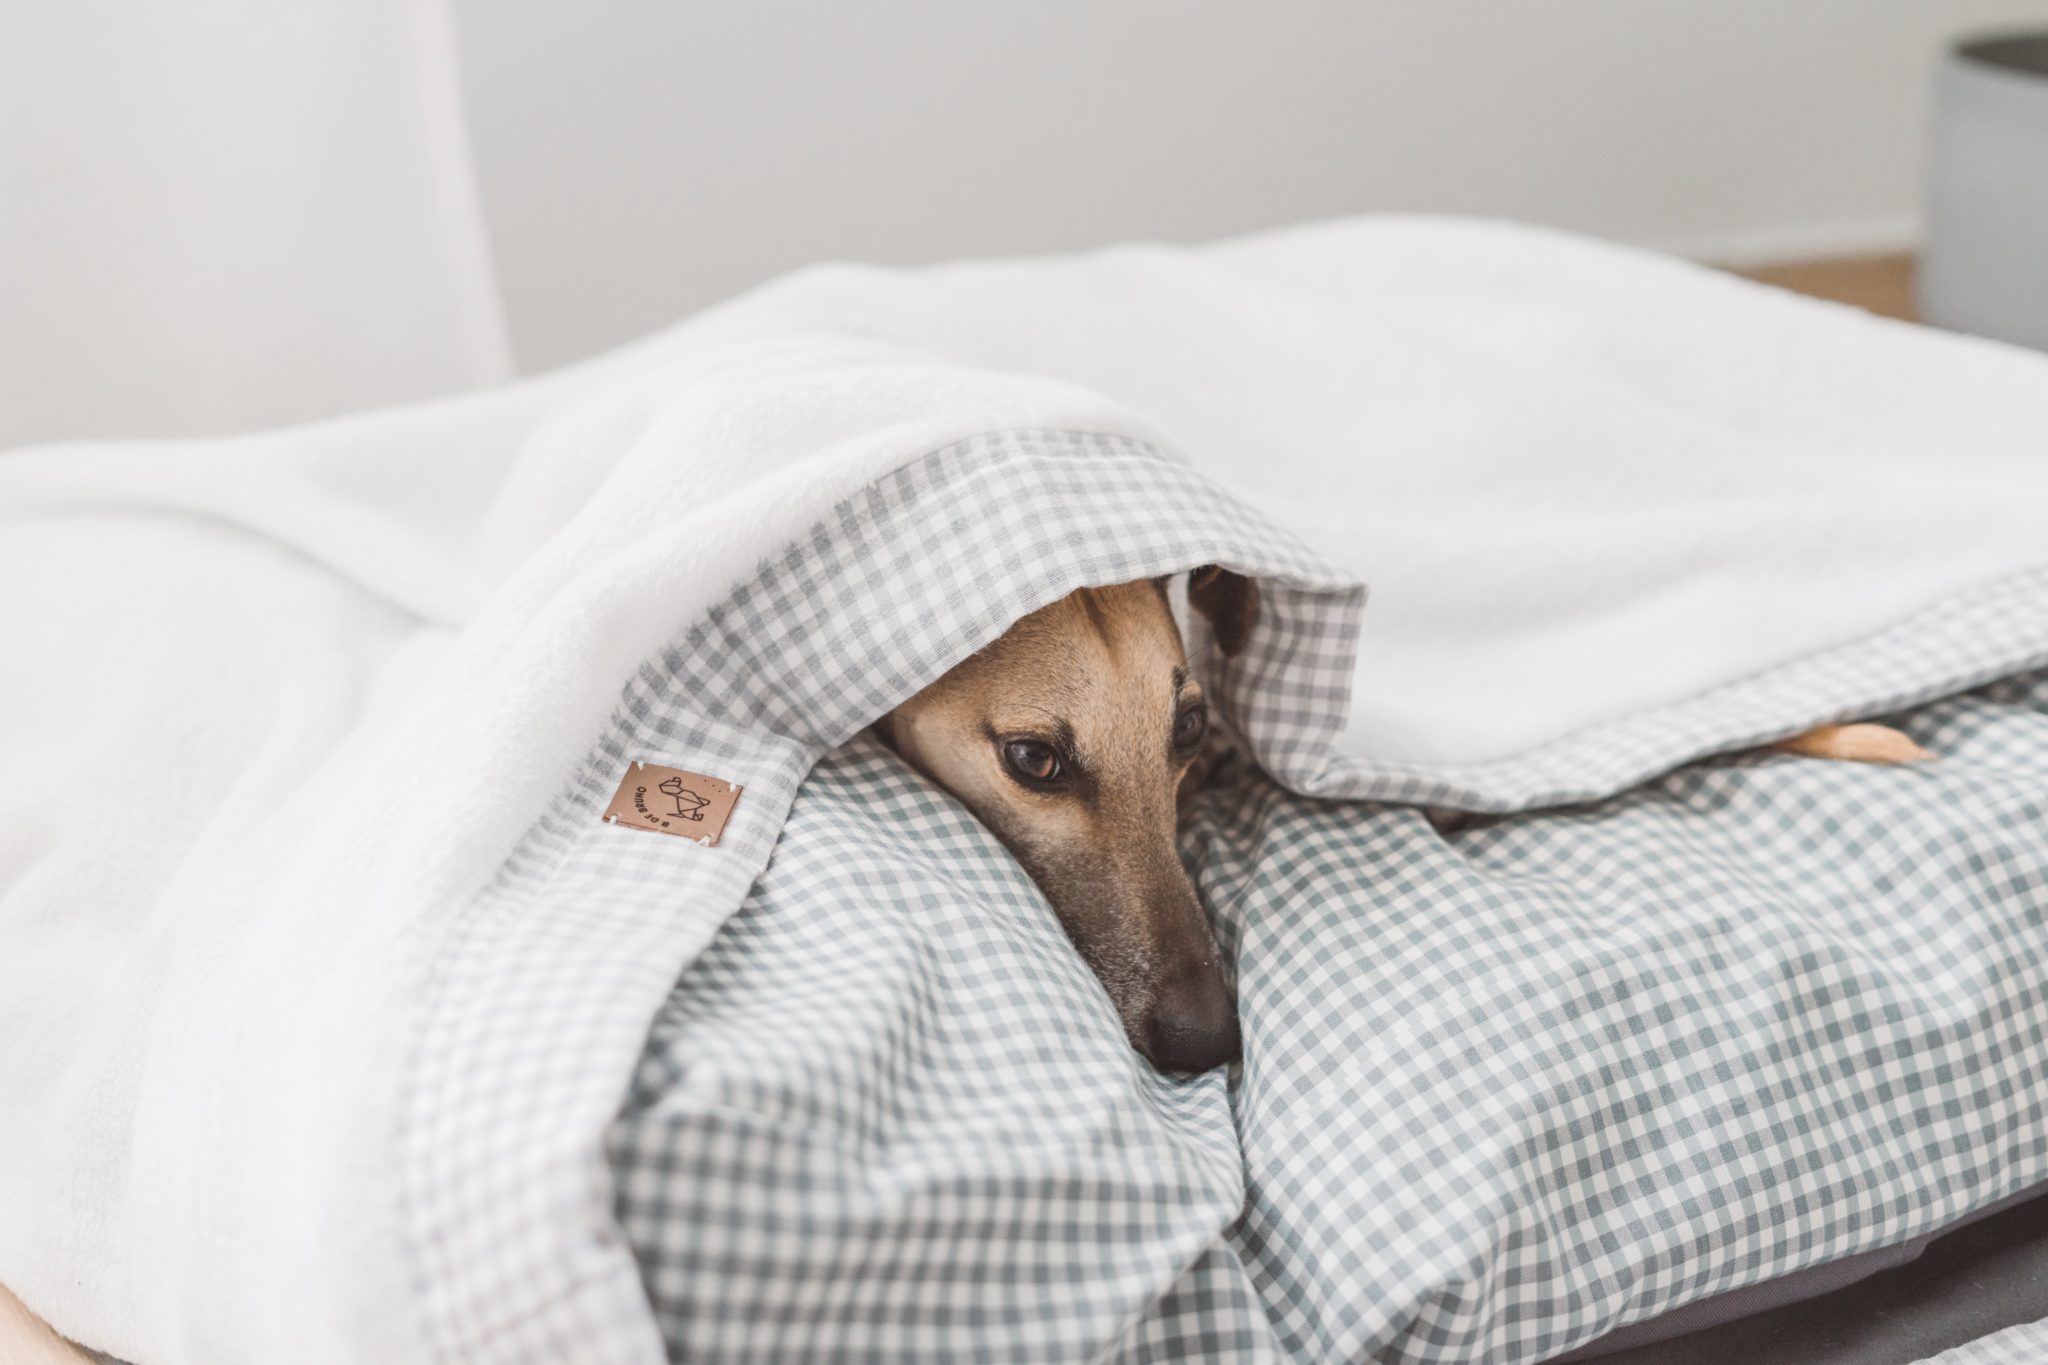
{"type": "Point", "coordinates": [1986, 264]}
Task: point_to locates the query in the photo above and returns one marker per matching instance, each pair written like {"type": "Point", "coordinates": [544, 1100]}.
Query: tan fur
{"type": "Point", "coordinates": [1100, 673]}
{"type": "Point", "coordinates": [1854, 744]}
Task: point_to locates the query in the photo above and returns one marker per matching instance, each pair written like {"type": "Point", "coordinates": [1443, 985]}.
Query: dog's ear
{"type": "Point", "coordinates": [1229, 600]}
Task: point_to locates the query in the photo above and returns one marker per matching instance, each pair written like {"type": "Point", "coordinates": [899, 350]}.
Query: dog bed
{"type": "Point", "coordinates": [358, 1002]}
{"type": "Point", "coordinates": [1509, 1081]}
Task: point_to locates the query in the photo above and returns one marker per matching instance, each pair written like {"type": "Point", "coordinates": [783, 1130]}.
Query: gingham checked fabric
{"type": "Point", "coordinates": [2025, 1344]}
{"type": "Point", "coordinates": [568, 954]}
{"type": "Point", "coordinates": [1510, 1082]}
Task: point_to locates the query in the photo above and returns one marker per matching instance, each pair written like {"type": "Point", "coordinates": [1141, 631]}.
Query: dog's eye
{"type": "Point", "coordinates": [1033, 760]}
{"type": "Point", "coordinates": [1189, 727]}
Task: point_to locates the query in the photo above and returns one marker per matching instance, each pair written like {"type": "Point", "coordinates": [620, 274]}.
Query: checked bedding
{"type": "Point", "coordinates": [1511, 1082]}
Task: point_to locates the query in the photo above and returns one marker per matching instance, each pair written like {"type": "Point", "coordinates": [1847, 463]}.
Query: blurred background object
{"type": "Point", "coordinates": [1986, 266]}
{"type": "Point", "coordinates": [641, 160]}
{"type": "Point", "coordinates": [224, 214]}
{"type": "Point", "coordinates": [221, 214]}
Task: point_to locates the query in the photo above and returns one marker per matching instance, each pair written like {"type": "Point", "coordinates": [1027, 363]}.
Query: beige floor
{"type": "Point", "coordinates": [1881, 284]}
{"type": "Point", "coordinates": [24, 1340]}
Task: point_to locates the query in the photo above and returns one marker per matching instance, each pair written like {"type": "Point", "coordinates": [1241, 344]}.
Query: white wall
{"type": "Point", "coordinates": [223, 214]}
{"type": "Point", "coordinates": [639, 159]}
{"type": "Point", "coordinates": [218, 214]}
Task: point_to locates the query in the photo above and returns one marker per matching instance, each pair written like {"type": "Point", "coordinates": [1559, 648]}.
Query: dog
{"type": "Point", "coordinates": [1072, 736]}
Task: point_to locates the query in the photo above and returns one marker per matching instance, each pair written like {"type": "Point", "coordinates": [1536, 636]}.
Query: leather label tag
{"type": "Point", "coordinates": [672, 801]}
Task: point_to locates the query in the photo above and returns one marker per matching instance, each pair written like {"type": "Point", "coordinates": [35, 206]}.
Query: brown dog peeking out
{"type": "Point", "coordinates": [1070, 736]}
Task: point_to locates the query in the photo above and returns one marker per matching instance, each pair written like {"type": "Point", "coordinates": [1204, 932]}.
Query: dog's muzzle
{"type": "Point", "coordinates": [1192, 1024]}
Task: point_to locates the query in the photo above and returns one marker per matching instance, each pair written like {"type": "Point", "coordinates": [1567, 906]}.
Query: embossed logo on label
{"type": "Point", "coordinates": [672, 801]}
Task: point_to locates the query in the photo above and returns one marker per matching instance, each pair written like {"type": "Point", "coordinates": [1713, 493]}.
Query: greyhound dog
{"type": "Point", "coordinates": [1071, 736]}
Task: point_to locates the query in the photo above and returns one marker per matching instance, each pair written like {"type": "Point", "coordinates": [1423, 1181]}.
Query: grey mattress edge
{"type": "Point", "coordinates": [1797, 1287]}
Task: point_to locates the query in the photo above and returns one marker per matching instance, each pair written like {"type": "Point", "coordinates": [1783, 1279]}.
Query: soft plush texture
{"type": "Point", "coordinates": [1582, 481]}
{"type": "Point", "coordinates": [319, 978]}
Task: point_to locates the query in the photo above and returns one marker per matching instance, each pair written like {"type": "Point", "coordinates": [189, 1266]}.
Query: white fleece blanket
{"type": "Point", "coordinates": [1588, 487]}
{"type": "Point", "coordinates": [272, 709]}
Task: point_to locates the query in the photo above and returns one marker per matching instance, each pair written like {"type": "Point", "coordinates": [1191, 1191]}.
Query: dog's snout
{"type": "Point", "coordinates": [1192, 1025]}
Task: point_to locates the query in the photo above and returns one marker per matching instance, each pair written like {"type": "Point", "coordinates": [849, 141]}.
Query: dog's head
{"type": "Point", "coordinates": [1070, 737]}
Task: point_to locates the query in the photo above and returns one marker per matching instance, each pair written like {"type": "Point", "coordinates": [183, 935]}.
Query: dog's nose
{"type": "Point", "coordinates": [1192, 1025]}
